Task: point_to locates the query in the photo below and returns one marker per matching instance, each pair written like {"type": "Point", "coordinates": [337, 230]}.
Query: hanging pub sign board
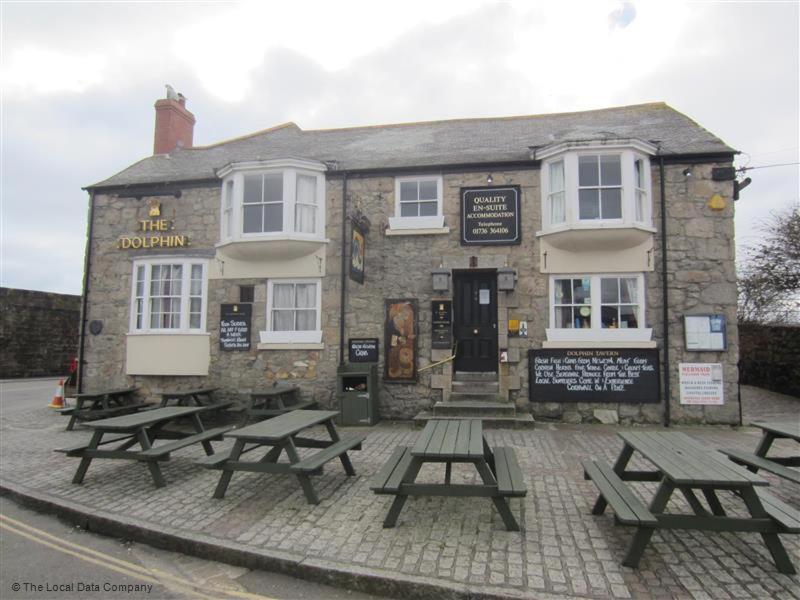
{"type": "Point", "coordinates": [358, 247]}
{"type": "Point", "coordinates": [701, 383]}
{"type": "Point", "coordinates": [363, 350]}
{"type": "Point", "coordinates": [490, 216]}
{"type": "Point", "coordinates": [594, 375]}
{"type": "Point", "coordinates": [401, 341]}
{"type": "Point", "coordinates": [442, 324]}
{"type": "Point", "coordinates": [234, 326]}
{"type": "Point", "coordinates": [705, 332]}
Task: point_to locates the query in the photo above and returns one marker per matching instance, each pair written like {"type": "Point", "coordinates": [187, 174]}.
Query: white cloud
{"type": "Point", "coordinates": [42, 70]}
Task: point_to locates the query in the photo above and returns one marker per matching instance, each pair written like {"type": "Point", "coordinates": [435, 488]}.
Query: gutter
{"type": "Point", "coordinates": [664, 291]}
{"type": "Point", "coordinates": [343, 279]}
{"type": "Point", "coordinates": [85, 292]}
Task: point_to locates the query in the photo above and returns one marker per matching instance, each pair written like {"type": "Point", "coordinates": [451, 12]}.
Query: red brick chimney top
{"type": "Point", "coordinates": [174, 124]}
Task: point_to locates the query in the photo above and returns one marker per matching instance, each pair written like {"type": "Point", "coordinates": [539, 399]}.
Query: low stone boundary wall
{"type": "Point", "coordinates": [769, 357]}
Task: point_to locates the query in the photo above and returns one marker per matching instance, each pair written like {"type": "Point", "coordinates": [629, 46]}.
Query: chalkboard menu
{"type": "Point", "coordinates": [234, 326]}
{"type": "Point", "coordinates": [442, 324]}
{"type": "Point", "coordinates": [593, 375]}
{"type": "Point", "coordinates": [363, 350]}
{"type": "Point", "coordinates": [490, 216]}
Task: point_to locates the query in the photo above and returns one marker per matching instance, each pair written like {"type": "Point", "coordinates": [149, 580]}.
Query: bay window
{"type": "Point", "coordinates": [169, 296]}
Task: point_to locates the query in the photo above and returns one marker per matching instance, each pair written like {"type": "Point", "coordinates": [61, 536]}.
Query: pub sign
{"type": "Point", "coordinates": [490, 216]}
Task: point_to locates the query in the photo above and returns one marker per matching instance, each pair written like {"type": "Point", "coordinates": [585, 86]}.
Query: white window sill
{"type": "Point", "coordinates": [291, 338]}
{"type": "Point", "coordinates": [302, 346]}
{"type": "Point", "coordinates": [400, 223]}
{"type": "Point", "coordinates": [168, 332]}
{"type": "Point", "coordinates": [423, 231]}
{"type": "Point", "coordinates": [600, 336]}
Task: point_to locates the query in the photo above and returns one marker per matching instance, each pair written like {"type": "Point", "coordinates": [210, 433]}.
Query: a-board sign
{"type": "Point", "coordinates": [593, 375]}
{"type": "Point", "coordinates": [442, 324]}
{"type": "Point", "coordinates": [234, 326]}
{"type": "Point", "coordinates": [490, 216]}
{"type": "Point", "coordinates": [363, 350]}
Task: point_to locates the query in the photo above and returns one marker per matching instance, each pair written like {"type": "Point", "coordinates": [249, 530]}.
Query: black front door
{"type": "Point", "coordinates": [475, 326]}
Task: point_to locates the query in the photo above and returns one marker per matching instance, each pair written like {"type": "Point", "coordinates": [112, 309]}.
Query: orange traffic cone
{"type": "Point", "coordinates": [58, 399]}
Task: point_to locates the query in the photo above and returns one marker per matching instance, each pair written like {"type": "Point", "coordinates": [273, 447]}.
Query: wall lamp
{"type": "Point", "coordinates": [687, 172]}
{"type": "Point", "coordinates": [506, 279]}
{"type": "Point", "coordinates": [490, 179]}
{"type": "Point", "coordinates": [441, 280]}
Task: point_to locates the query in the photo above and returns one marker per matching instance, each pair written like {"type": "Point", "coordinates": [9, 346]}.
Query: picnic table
{"type": "Point", "coordinates": [685, 464]}
{"type": "Point", "coordinates": [274, 401]}
{"type": "Point", "coordinates": [101, 404]}
{"type": "Point", "coordinates": [282, 434]}
{"type": "Point", "coordinates": [198, 397]}
{"type": "Point", "coordinates": [143, 429]}
{"type": "Point", "coordinates": [778, 465]}
{"type": "Point", "coordinates": [452, 441]}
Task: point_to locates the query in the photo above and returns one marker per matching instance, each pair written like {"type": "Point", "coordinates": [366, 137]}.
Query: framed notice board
{"type": "Point", "coordinates": [705, 332]}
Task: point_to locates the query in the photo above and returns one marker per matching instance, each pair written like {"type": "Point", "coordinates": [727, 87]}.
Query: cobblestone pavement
{"type": "Point", "coordinates": [456, 542]}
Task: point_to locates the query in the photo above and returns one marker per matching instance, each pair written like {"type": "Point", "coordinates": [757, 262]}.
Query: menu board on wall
{"type": "Point", "coordinates": [234, 326]}
{"type": "Point", "coordinates": [490, 216]}
{"type": "Point", "coordinates": [442, 324]}
{"type": "Point", "coordinates": [593, 375]}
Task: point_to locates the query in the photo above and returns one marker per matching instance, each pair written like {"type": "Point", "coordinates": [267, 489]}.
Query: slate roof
{"type": "Point", "coordinates": [429, 144]}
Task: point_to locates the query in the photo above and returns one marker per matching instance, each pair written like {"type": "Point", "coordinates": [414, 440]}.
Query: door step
{"type": "Point", "coordinates": [475, 376]}
{"type": "Point", "coordinates": [489, 388]}
{"type": "Point", "coordinates": [474, 408]}
{"type": "Point", "coordinates": [519, 421]}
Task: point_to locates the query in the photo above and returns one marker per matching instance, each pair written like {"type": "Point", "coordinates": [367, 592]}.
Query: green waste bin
{"type": "Point", "coordinates": [357, 388]}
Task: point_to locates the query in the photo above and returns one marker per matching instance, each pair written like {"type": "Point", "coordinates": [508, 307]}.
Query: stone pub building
{"type": "Point", "coordinates": [567, 266]}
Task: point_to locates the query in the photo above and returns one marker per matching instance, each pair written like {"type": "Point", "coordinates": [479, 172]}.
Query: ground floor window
{"type": "Point", "coordinates": [169, 296]}
{"type": "Point", "coordinates": [293, 311]}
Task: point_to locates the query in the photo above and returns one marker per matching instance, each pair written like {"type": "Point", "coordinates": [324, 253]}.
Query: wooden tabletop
{"type": "Point", "coordinates": [187, 393]}
{"type": "Point", "coordinates": [451, 438]}
{"type": "Point", "coordinates": [274, 391]}
{"type": "Point", "coordinates": [140, 419]}
{"type": "Point", "coordinates": [282, 426]}
{"type": "Point", "coordinates": [788, 430]}
{"type": "Point", "coordinates": [686, 461]}
{"type": "Point", "coordinates": [102, 393]}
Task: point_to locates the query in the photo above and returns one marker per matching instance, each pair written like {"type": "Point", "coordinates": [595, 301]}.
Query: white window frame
{"type": "Point", "coordinates": [186, 264]}
{"type": "Point", "coordinates": [596, 333]}
{"type": "Point", "coordinates": [432, 222]}
{"type": "Point", "coordinates": [290, 170]}
{"type": "Point", "coordinates": [629, 152]}
{"type": "Point", "coordinates": [293, 337]}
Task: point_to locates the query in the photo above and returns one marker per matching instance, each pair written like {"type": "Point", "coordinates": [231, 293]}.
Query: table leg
{"type": "Point", "coordinates": [198, 427]}
{"type": "Point", "coordinates": [155, 470]}
{"type": "Point", "coordinates": [225, 476]}
{"type": "Point", "coordinates": [698, 508]}
{"type": "Point", "coordinates": [400, 499]}
{"type": "Point", "coordinates": [448, 469]}
{"type": "Point", "coordinates": [765, 444]}
{"type": "Point", "coordinates": [272, 455]}
{"type": "Point", "coordinates": [305, 480]}
{"type": "Point", "coordinates": [619, 468]}
{"type": "Point", "coordinates": [343, 458]}
{"type": "Point", "coordinates": [714, 503]}
{"type": "Point", "coordinates": [87, 460]}
{"type": "Point", "coordinates": [771, 540]}
{"type": "Point", "coordinates": [643, 534]}
{"type": "Point", "coordinates": [74, 416]}
{"type": "Point", "coordinates": [500, 503]}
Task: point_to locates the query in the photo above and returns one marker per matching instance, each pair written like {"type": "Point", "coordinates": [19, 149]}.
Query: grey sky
{"type": "Point", "coordinates": [79, 81]}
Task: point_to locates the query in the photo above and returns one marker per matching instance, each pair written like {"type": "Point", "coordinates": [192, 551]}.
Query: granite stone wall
{"type": "Point", "coordinates": [770, 357]}
{"type": "Point", "coordinates": [700, 266]}
{"type": "Point", "coordinates": [39, 333]}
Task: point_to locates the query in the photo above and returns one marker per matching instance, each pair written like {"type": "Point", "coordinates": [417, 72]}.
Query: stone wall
{"type": "Point", "coordinates": [770, 357]}
{"type": "Point", "coordinates": [39, 334]}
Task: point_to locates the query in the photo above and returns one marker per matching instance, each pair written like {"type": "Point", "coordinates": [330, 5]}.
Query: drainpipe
{"type": "Point", "coordinates": [664, 292]}
{"type": "Point", "coordinates": [343, 281]}
{"type": "Point", "coordinates": [84, 295]}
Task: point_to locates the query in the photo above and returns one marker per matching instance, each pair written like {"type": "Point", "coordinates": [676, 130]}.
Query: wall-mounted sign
{"type": "Point", "coordinates": [705, 332]}
{"type": "Point", "coordinates": [401, 341]}
{"type": "Point", "coordinates": [363, 350]}
{"type": "Point", "coordinates": [442, 324]}
{"type": "Point", "coordinates": [701, 383]}
{"type": "Point", "coordinates": [358, 247]}
{"type": "Point", "coordinates": [153, 232]}
{"type": "Point", "coordinates": [490, 216]}
{"type": "Point", "coordinates": [593, 375]}
{"type": "Point", "coordinates": [234, 326]}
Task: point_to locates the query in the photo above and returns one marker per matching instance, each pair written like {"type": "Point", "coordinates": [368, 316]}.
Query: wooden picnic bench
{"type": "Point", "coordinates": [452, 441]}
{"type": "Point", "coordinates": [102, 404]}
{"type": "Point", "coordinates": [687, 465]}
{"type": "Point", "coordinates": [282, 434]}
{"type": "Point", "coordinates": [778, 465]}
{"type": "Point", "coordinates": [143, 429]}
{"type": "Point", "coordinates": [272, 402]}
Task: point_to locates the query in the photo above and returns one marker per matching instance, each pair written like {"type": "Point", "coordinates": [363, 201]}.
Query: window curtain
{"type": "Point", "coordinates": [282, 305]}
{"type": "Point", "coordinates": [306, 306]}
{"type": "Point", "coordinates": [557, 204]}
{"type": "Point", "coordinates": [305, 212]}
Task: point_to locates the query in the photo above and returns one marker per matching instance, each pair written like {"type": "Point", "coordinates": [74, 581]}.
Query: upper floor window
{"type": "Point", "coordinates": [169, 296]}
{"type": "Point", "coordinates": [594, 185]}
{"type": "Point", "coordinates": [418, 203]}
{"type": "Point", "coordinates": [273, 200]}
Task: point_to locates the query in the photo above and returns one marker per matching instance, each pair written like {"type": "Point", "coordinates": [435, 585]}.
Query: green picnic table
{"type": "Point", "coordinates": [274, 401]}
{"type": "Point", "coordinates": [281, 434]}
{"type": "Point", "coordinates": [143, 429]}
{"type": "Point", "coordinates": [198, 397]}
{"type": "Point", "coordinates": [778, 465]}
{"type": "Point", "coordinates": [686, 465]}
{"type": "Point", "coordinates": [100, 404]}
{"type": "Point", "coordinates": [452, 441]}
